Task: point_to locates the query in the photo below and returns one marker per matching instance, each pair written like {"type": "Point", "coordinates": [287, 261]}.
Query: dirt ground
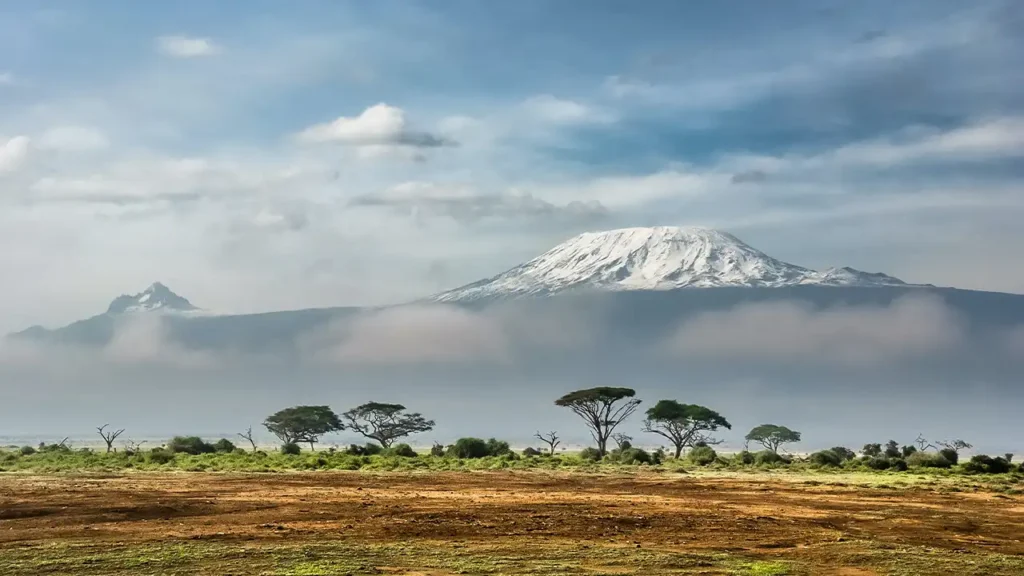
{"type": "Point", "coordinates": [499, 523]}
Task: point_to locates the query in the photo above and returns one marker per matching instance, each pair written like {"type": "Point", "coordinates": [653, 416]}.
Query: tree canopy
{"type": "Point", "coordinates": [385, 423]}
{"type": "Point", "coordinates": [771, 436]}
{"type": "Point", "coordinates": [602, 409]}
{"type": "Point", "coordinates": [683, 424]}
{"type": "Point", "coordinates": [303, 424]}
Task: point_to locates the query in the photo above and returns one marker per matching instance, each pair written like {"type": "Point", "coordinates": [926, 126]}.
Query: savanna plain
{"type": "Point", "coordinates": [649, 520]}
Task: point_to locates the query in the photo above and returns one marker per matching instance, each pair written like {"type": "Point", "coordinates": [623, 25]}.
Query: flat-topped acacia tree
{"type": "Point", "coordinates": [683, 424]}
{"type": "Point", "coordinates": [303, 424]}
{"type": "Point", "coordinates": [385, 423]}
{"type": "Point", "coordinates": [771, 436]}
{"type": "Point", "coordinates": [602, 409]}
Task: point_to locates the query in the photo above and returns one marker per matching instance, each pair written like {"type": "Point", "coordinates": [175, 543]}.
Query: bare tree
{"type": "Point", "coordinates": [109, 437]}
{"type": "Point", "coordinates": [551, 439]}
{"type": "Point", "coordinates": [922, 444]}
{"type": "Point", "coordinates": [132, 447]}
{"type": "Point", "coordinates": [248, 436]}
{"type": "Point", "coordinates": [622, 441]}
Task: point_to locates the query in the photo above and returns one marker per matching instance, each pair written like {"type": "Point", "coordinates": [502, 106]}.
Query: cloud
{"type": "Point", "coordinates": [281, 218]}
{"type": "Point", "coordinates": [7, 79]}
{"type": "Point", "coordinates": [464, 204]}
{"type": "Point", "coordinates": [414, 335]}
{"type": "Point", "coordinates": [13, 153]}
{"type": "Point", "coordinates": [143, 339]}
{"type": "Point", "coordinates": [797, 333]}
{"type": "Point", "coordinates": [749, 176]}
{"type": "Point", "coordinates": [72, 139]}
{"type": "Point", "coordinates": [548, 108]}
{"type": "Point", "coordinates": [378, 125]}
{"type": "Point", "coordinates": [186, 47]}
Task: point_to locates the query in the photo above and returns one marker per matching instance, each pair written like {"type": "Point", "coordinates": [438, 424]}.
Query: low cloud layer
{"type": "Point", "coordinates": [797, 333]}
{"type": "Point", "coordinates": [378, 125]}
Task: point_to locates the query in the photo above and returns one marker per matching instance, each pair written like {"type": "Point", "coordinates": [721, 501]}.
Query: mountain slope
{"type": "Point", "coordinates": [155, 298]}
{"type": "Point", "coordinates": [658, 258]}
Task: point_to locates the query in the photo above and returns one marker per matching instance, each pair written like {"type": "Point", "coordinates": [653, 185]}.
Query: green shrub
{"type": "Point", "coordinates": [658, 456]}
{"type": "Point", "coordinates": [160, 456]}
{"type": "Point", "coordinates": [532, 453]}
{"type": "Point", "coordinates": [469, 448]}
{"type": "Point", "coordinates": [26, 450]}
{"type": "Point", "coordinates": [401, 450]}
{"type": "Point", "coordinates": [949, 454]}
{"type": "Point", "coordinates": [632, 456]}
{"type": "Point", "coordinates": [590, 454]}
{"type": "Point", "coordinates": [190, 445]}
{"type": "Point", "coordinates": [702, 455]}
{"type": "Point", "coordinates": [765, 457]}
{"type": "Point", "coordinates": [745, 457]}
{"type": "Point", "coordinates": [928, 460]}
{"type": "Point", "coordinates": [437, 450]}
{"type": "Point", "coordinates": [876, 462]}
{"type": "Point", "coordinates": [290, 449]}
{"type": "Point", "coordinates": [224, 446]}
{"type": "Point", "coordinates": [497, 447]}
{"type": "Point", "coordinates": [844, 453]}
{"type": "Point", "coordinates": [826, 458]}
{"type": "Point", "coordinates": [898, 464]}
{"type": "Point", "coordinates": [982, 464]}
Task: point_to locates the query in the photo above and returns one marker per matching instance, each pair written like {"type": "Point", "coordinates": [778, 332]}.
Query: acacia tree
{"type": "Point", "coordinates": [109, 437]}
{"type": "Point", "coordinates": [602, 409]}
{"type": "Point", "coordinates": [303, 424]}
{"type": "Point", "coordinates": [771, 436]}
{"type": "Point", "coordinates": [683, 424]}
{"type": "Point", "coordinates": [551, 439]}
{"type": "Point", "coordinates": [385, 423]}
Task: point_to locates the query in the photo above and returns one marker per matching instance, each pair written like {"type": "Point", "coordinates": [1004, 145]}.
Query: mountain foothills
{"type": "Point", "coordinates": [643, 281]}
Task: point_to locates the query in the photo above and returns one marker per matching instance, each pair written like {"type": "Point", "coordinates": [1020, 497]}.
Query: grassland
{"type": "Point", "coordinates": [564, 519]}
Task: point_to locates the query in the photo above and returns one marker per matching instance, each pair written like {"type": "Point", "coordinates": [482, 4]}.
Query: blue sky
{"type": "Point", "coordinates": [258, 155]}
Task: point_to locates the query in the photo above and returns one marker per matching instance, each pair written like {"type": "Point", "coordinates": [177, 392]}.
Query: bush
{"type": "Point", "coordinates": [402, 450]}
{"type": "Point", "coordinates": [26, 451]}
{"type": "Point", "coordinates": [632, 456]}
{"type": "Point", "coordinates": [224, 446]}
{"type": "Point", "coordinates": [876, 462]}
{"type": "Point", "coordinates": [745, 457]}
{"type": "Point", "coordinates": [532, 453]}
{"type": "Point", "coordinates": [190, 445]}
{"type": "Point", "coordinates": [765, 457]}
{"type": "Point", "coordinates": [437, 450]}
{"type": "Point", "coordinates": [160, 456]}
{"type": "Point", "coordinates": [928, 460]}
{"type": "Point", "coordinates": [844, 453]}
{"type": "Point", "coordinates": [469, 448]}
{"type": "Point", "coordinates": [658, 456]}
{"type": "Point", "coordinates": [982, 464]}
{"type": "Point", "coordinates": [291, 449]}
{"type": "Point", "coordinates": [497, 447]}
{"type": "Point", "coordinates": [949, 454]}
{"type": "Point", "coordinates": [898, 464]}
{"type": "Point", "coordinates": [826, 458]}
{"type": "Point", "coordinates": [590, 454]}
{"type": "Point", "coordinates": [702, 455]}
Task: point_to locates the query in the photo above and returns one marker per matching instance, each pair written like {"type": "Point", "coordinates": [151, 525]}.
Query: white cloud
{"type": "Point", "coordinates": [13, 153]}
{"type": "Point", "coordinates": [186, 47]}
{"type": "Point", "coordinates": [7, 79]}
{"type": "Point", "coordinates": [560, 111]}
{"type": "Point", "coordinates": [72, 139]}
{"type": "Point", "coordinates": [377, 130]}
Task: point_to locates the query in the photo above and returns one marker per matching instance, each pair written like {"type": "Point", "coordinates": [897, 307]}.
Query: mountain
{"type": "Point", "coordinates": [658, 258]}
{"type": "Point", "coordinates": [156, 298]}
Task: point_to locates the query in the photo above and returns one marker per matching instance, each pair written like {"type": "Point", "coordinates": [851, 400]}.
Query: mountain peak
{"type": "Point", "coordinates": [157, 297]}
{"type": "Point", "coordinates": [654, 258]}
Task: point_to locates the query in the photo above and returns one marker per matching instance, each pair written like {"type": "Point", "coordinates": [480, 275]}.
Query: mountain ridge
{"type": "Point", "coordinates": [655, 258]}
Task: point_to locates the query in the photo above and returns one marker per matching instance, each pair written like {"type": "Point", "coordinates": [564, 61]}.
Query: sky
{"type": "Point", "coordinates": [257, 155]}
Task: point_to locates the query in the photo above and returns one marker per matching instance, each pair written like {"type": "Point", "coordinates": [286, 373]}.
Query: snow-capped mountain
{"type": "Point", "coordinates": [658, 258]}
{"type": "Point", "coordinates": [156, 298]}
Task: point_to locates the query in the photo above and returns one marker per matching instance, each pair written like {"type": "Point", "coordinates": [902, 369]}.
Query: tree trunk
{"type": "Point", "coordinates": [311, 446]}
{"type": "Point", "coordinates": [602, 447]}
{"type": "Point", "coordinates": [679, 451]}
